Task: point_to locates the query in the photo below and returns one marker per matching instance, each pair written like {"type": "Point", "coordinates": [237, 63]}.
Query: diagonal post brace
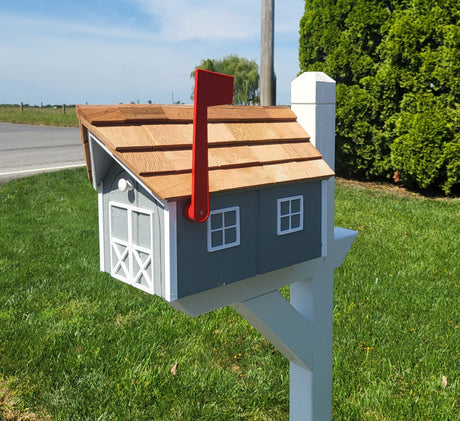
{"type": "Point", "coordinates": [276, 319]}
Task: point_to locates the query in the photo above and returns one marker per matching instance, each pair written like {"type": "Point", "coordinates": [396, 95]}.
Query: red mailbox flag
{"type": "Point", "coordinates": [210, 89]}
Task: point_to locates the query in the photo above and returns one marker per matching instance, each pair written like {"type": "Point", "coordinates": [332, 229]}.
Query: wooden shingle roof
{"type": "Point", "coordinates": [249, 146]}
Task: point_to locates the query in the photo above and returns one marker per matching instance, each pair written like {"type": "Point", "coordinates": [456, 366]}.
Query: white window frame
{"type": "Point", "coordinates": [289, 215]}
{"type": "Point", "coordinates": [131, 251]}
{"type": "Point", "coordinates": [224, 245]}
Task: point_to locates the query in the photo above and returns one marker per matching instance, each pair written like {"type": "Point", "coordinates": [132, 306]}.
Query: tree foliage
{"type": "Point", "coordinates": [245, 71]}
{"type": "Point", "coordinates": [397, 67]}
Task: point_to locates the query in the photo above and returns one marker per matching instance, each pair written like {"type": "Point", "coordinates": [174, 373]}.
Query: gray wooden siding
{"type": "Point", "coordinates": [198, 269]}
{"type": "Point", "coordinates": [261, 249]}
{"type": "Point", "coordinates": [277, 251]}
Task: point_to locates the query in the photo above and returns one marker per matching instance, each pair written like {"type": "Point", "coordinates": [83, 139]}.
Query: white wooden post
{"type": "Point", "coordinates": [313, 101]}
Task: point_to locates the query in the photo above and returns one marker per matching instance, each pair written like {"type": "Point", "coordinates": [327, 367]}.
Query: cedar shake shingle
{"type": "Point", "coordinates": [249, 146]}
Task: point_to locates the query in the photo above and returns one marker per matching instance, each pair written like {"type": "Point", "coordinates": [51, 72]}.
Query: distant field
{"type": "Point", "coordinates": [50, 115]}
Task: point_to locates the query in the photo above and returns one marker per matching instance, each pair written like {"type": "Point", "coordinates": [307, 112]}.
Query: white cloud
{"type": "Point", "coordinates": [210, 21]}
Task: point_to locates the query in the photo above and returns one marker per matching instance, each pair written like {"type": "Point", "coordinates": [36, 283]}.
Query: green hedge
{"type": "Point", "coordinates": [397, 67]}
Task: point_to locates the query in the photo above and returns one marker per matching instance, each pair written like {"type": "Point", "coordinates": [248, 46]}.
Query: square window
{"type": "Point", "coordinates": [223, 228]}
{"type": "Point", "coordinates": [289, 215]}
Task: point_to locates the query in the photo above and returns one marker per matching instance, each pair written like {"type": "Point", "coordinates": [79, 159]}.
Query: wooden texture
{"type": "Point", "coordinates": [248, 146]}
{"type": "Point", "coordinates": [86, 152]}
{"type": "Point", "coordinates": [267, 57]}
{"type": "Point", "coordinates": [155, 162]}
{"type": "Point", "coordinates": [103, 115]}
{"type": "Point", "coordinates": [171, 136]}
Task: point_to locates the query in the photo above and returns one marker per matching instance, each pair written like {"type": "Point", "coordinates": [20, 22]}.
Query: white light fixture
{"type": "Point", "coordinates": [125, 185]}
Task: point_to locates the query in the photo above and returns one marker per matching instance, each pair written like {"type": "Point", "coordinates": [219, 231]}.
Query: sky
{"type": "Point", "coordinates": [112, 51]}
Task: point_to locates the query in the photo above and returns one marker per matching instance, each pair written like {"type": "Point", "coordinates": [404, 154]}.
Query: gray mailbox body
{"type": "Point", "coordinates": [265, 195]}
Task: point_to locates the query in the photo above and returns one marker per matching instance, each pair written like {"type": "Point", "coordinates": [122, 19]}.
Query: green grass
{"type": "Point", "coordinates": [397, 312]}
{"type": "Point", "coordinates": [76, 344]}
{"type": "Point", "coordinates": [43, 116]}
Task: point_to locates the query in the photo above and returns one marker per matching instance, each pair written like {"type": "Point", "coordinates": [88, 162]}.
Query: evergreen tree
{"type": "Point", "coordinates": [397, 67]}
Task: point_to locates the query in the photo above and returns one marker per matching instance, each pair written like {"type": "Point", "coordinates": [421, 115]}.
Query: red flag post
{"type": "Point", "coordinates": [210, 89]}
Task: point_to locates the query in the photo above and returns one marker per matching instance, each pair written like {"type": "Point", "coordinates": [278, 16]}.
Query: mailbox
{"type": "Point", "coordinates": [208, 207]}
{"type": "Point", "coordinates": [264, 194]}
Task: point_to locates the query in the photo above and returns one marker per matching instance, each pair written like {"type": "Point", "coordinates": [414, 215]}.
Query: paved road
{"type": "Point", "coordinates": [27, 150]}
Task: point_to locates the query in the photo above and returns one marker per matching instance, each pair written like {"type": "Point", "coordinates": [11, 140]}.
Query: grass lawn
{"type": "Point", "coordinates": [78, 345]}
{"type": "Point", "coordinates": [43, 116]}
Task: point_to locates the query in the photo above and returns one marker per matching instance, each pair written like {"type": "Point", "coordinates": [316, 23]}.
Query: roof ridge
{"type": "Point", "coordinates": [109, 115]}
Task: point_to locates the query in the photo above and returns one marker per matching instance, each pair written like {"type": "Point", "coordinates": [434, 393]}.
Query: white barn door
{"type": "Point", "coordinates": [131, 245]}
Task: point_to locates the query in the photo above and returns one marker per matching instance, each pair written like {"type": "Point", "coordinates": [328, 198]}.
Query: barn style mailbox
{"type": "Point", "coordinates": [208, 207]}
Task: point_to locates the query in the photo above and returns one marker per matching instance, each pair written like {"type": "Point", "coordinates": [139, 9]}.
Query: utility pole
{"type": "Point", "coordinates": [267, 71]}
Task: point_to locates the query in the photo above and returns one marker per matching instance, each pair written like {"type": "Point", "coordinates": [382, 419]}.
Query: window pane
{"type": "Point", "coordinates": [230, 235]}
{"type": "Point", "coordinates": [216, 221]}
{"type": "Point", "coordinates": [119, 223]}
{"type": "Point", "coordinates": [217, 238]}
{"type": "Point", "coordinates": [284, 226]}
{"type": "Point", "coordinates": [141, 229]}
{"type": "Point", "coordinates": [230, 218]}
{"type": "Point", "coordinates": [284, 207]}
{"type": "Point", "coordinates": [295, 221]}
{"type": "Point", "coordinates": [295, 206]}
